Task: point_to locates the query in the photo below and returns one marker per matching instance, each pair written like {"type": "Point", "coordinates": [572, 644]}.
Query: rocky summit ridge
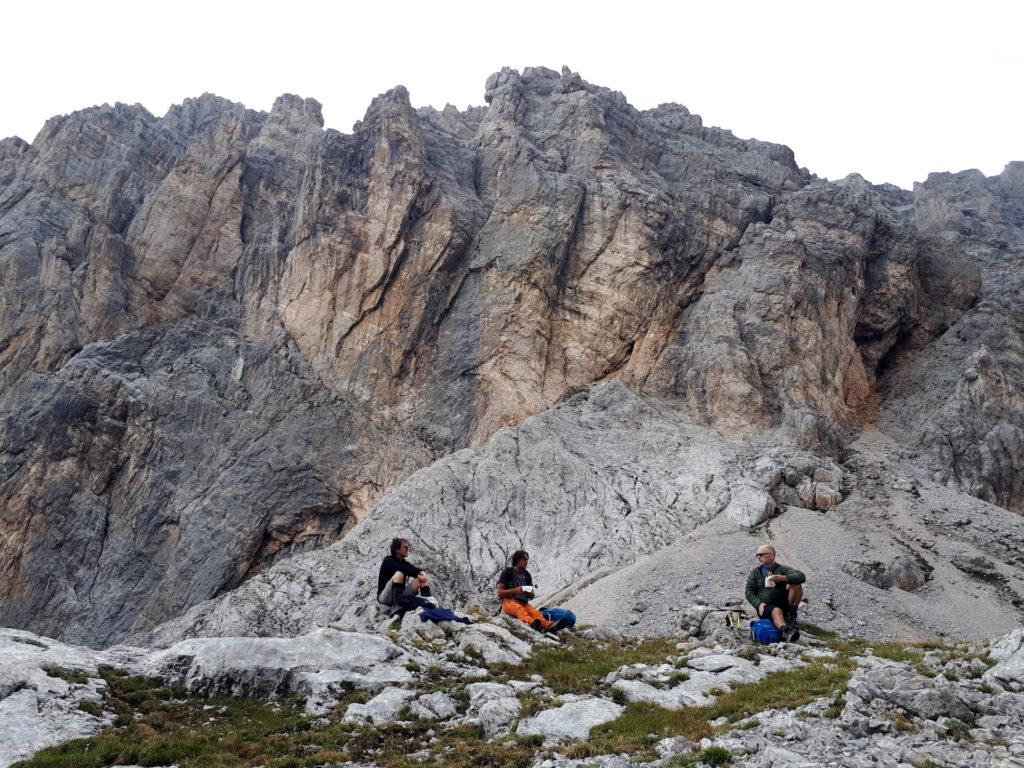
{"type": "Point", "coordinates": [240, 351]}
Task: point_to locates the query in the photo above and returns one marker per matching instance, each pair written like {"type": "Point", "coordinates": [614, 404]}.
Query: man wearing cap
{"type": "Point", "coordinates": [775, 591]}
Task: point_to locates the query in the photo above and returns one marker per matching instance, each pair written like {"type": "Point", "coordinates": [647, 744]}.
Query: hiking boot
{"type": "Point", "coordinates": [791, 617]}
{"type": "Point", "coordinates": [559, 625]}
{"type": "Point", "coordinates": [536, 624]}
{"type": "Point", "coordinates": [790, 634]}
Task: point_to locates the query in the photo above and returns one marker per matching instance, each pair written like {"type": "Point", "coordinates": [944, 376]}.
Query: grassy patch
{"type": "Point", "coordinates": [160, 725]}
{"type": "Point", "coordinates": [642, 725]}
{"type": "Point", "coordinates": [91, 708]}
{"type": "Point", "coordinates": [712, 756]}
{"type": "Point", "coordinates": [898, 652]}
{"type": "Point", "coordinates": [579, 666]}
{"type": "Point", "coordinates": [901, 723]}
{"type": "Point", "coordinates": [957, 730]}
{"type": "Point", "coordinates": [529, 705]}
{"type": "Point", "coordinates": [74, 676]}
{"type": "Point", "coordinates": [819, 632]}
{"type": "Point", "coordinates": [913, 655]}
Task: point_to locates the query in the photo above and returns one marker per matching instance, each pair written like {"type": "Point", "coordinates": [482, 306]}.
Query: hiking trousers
{"type": "Point", "coordinates": [525, 612]}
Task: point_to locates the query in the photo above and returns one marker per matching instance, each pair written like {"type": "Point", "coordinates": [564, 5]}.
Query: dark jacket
{"type": "Point", "coordinates": [758, 593]}
{"type": "Point", "coordinates": [392, 565]}
{"type": "Point", "coordinates": [510, 578]}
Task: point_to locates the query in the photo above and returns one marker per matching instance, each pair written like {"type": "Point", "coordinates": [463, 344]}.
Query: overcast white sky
{"type": "Point", "coordinates": [891, 90]}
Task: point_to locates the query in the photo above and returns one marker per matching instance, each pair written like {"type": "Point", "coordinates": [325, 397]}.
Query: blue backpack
{"type": "Point", "coordinates": [764, 632]}
{"type": "Point", "coordinates": [555, 614]}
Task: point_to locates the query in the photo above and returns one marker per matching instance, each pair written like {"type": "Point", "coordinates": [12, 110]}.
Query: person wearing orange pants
{"type": "Point", "coordinates": [524, 612]}
{"type": "Point", "coordinates": [515, 588]}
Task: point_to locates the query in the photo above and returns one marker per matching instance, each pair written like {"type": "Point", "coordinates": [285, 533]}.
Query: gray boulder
{"type": "Point", "coordinates": [750, 506]}
{"type": "Point", "coordinates": [496, 716]}
{"type": "Point", "coordinates": [898, 686]}
{"type": "Point", "coordinates": [382, 708]}
{"type": "Point", "coordinates": [1008, 652]}
{"type": "Point", "coordinates": [434, 706]}
{"type": "Point", "coordinates": [570, 721]}
{"type": "Point", "coordinates": [318, 665]}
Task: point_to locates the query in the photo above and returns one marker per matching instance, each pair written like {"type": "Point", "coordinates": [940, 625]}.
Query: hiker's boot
{"type": "Point", "coordinates": [791, 617]}
{"type": "Point", "coordinates": [537, 624]}
{"type": "Point", "coordinates": [555, 628]}
{"type": "Point", "coordinates": [789, 634]}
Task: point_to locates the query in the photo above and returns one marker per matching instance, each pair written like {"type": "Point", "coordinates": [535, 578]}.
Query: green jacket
{"type": "Point", "coordinates": [758, 593]}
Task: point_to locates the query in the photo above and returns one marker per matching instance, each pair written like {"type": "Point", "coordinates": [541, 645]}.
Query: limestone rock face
{"type": "Point", "coordinates": [962, 394]}
{"type": "Point", "coordinates": [596, 482]}
{"type": "Point", "coordinates": [225, 335]}
{"type": "Point", "coordinates": [315, 664]}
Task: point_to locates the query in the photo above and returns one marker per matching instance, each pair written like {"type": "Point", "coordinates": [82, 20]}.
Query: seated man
{"type": "Point", "coordinates": [775, 591]}
{"type": "Point", "coordinates": [401, 584]}
{"type": "Point", "coordinates": [515, 588]}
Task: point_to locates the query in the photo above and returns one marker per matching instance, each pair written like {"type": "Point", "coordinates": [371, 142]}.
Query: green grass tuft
{"type": "Point", "coordinates": [73, 676]}
{"type": "Point", "coordinates": [578, 666]}
{"type": "Point", "coordinates": [715, 756]}
{"type": "Point", "coordinates": [90, 707]}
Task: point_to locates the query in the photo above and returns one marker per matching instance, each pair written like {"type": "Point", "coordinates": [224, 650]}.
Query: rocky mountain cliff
{"type": "Point", "coordinates": [225, 336]}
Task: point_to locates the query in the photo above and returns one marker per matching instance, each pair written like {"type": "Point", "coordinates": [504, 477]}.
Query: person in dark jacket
{"type": "Point", "coordinates": [775, 591]}
{"type": "Point", "coordinates": [515, 589]}
{"type": "Point", "coordinates": [399, 580]}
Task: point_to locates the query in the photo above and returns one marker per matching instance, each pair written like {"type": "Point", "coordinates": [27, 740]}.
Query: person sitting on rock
{"type": "Point", "coordinates": [775, 591]}
{"type": "Point", "coordinates": [515, 589]}
{"type": "Point", "coordinates": [400, 584]}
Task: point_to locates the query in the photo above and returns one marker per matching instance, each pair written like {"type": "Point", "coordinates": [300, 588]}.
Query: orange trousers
{"type": "Point", "coordinates": [525, 612]}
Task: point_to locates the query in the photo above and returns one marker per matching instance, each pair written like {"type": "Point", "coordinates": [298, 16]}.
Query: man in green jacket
{"type": "Point", "coordinates": [775, 591]}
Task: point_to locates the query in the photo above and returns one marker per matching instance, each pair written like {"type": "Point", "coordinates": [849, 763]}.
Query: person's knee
{"type": "Point", "coordinates": [796, 593]}
{"type": "Point", "coordinates": [398, 578]}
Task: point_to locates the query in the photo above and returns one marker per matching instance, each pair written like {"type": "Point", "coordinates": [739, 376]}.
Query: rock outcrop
{"type": "Point", "coordinates": [226, 335]}
{"type": "Point", "coordinates": [836, 704]}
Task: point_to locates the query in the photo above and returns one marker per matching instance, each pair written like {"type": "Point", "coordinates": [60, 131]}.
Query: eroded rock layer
{"type": "Point", "coordinates": [225, 334]}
